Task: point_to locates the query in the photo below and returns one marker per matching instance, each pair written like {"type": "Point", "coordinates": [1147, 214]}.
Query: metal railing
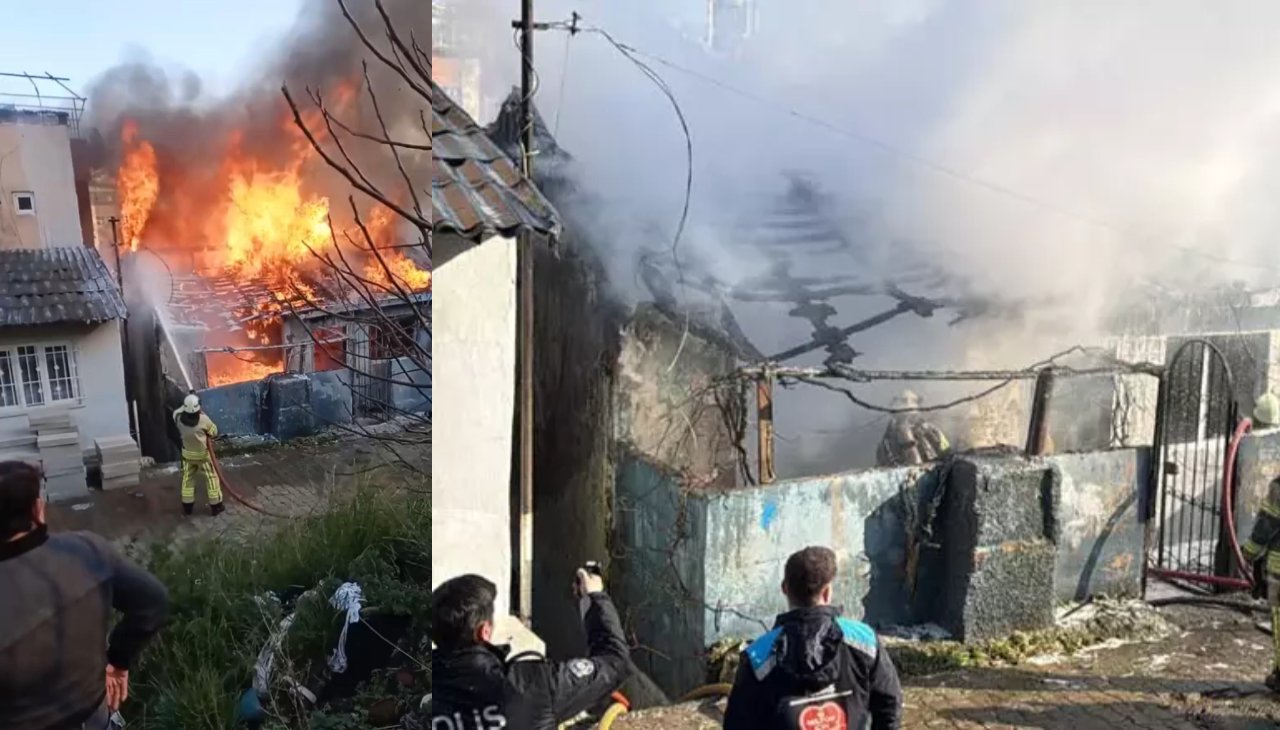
{"type": "Point", "coordinates": [44, 105]}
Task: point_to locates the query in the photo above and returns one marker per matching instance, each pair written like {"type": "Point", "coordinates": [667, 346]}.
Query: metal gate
{"type": "Point", "coordinates": [371, 389]}
{"type": "Point", "coordinates": [1195, 416]}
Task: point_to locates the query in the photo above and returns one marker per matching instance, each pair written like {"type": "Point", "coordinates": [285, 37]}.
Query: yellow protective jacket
{"type": "Point", "coordinates": [194, 444]}
{"type": "Point", "coordinates": [1265, 537]}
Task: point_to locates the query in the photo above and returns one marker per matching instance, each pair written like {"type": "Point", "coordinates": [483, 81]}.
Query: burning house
{"type": "Point", "coordinates": [273, 244]}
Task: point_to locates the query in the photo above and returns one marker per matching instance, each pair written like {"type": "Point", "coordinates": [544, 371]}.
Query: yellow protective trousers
{"type": "Point", "coordinates": [193, 463]}
{"type": "Point", "coordinates": [1273, 599]}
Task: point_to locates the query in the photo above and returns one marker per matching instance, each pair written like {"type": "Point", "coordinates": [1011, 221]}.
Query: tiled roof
{"type": "Point", "coordinates": [57, 285]}
{"type": "Point", "coordinates": [476, 190]}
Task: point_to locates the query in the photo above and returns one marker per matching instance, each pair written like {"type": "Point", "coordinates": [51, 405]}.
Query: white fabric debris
{"type": "Point", "coordinates": [347, 598]}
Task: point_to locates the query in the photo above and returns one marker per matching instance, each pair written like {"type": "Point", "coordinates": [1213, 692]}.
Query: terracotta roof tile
{"type": "Point", "coordinates": [476, 190]}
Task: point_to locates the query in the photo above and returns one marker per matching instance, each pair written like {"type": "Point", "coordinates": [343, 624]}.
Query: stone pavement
{"type": "Point", "coordinates": [290, 481]}
{"type": "Point", "coordinates": [1062, 707]}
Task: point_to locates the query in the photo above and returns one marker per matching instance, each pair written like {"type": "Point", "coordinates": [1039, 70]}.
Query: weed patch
{"type": "Point", "coordinates": [223, 610]}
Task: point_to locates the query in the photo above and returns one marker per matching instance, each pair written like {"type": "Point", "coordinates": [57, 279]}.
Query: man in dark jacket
{"type": "Point", "coordinates": [816, 670]}
{"type": "Point", "coordinates": [477, 686]}
{"type": "Point", "coordinates": [59, 668]}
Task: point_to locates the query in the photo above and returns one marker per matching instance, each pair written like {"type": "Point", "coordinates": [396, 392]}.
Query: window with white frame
{"type": "Point", "coordinates": [24, 203]}
{"type": "Point", "coordinates": [37, 375]}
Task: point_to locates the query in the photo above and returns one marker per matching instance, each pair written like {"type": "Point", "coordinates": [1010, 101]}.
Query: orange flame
{"type": "Point", "coordinates": [271, 226]}
{"type": "Point", "coordinates": [257, 216]}
{"type": "Point", "coordinates": [137, 185]}
{"type": "Point", "coordinates": [399, 271]}
{"type": "Point", "coordinates": [225, 369]}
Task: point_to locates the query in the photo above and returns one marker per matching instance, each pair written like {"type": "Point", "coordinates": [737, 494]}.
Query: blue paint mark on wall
{"type": "Point", "coordinates": [769, 514]}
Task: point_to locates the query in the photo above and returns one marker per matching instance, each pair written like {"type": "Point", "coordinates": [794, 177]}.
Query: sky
{"type": "Point", "coordinates": [79, 39]}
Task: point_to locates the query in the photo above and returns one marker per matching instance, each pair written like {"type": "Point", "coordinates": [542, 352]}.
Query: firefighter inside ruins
{"type": "Point", "coordinates": [1262, 549]}
{"type": "Point", "coordinates": [196, 430]}
{"type": "Point", "coordinates": [816, 668]}
{"type": "Point", "coordinates": [909, 438]}
{"type": "Point", "coordinates": [477, 686]}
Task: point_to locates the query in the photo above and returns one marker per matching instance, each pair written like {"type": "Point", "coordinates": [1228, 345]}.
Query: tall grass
{"type": "Point", "coordinates": [192, 675]}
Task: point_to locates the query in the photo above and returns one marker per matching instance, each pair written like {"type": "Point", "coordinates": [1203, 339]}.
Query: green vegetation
{"type": "Point", "coordinates": [1103, 620]}
{"type": "Point", "coordinates": [192, 676]}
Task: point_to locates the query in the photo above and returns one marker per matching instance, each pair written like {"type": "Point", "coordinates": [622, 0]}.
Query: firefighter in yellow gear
{"type": "Point", "coordinates": [910, 439]}
{"type": "Point", "coordinates": [196, 430]}
{"type": "Point", "coordinates": [1264, 540]}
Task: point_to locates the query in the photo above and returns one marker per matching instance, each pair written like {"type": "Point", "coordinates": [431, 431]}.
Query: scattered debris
{"type": "Point", "coordinates": [920, 632]}
{"type": "Point", "coordinates": [82, 506]}
{"type": "Point", "coordinates": [1066, 684]}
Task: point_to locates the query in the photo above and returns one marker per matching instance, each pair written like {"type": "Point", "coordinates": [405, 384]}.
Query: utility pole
{"type": "Point", "coordinates": [134, 426]}
{"type": "Point", "coordinates": [524, 254]}
{"type": "Point", "coordinates": [115, 247]}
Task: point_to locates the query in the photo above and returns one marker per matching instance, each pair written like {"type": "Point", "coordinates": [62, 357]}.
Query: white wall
{"type": "Point", "coordinates": [475, 368]}
{"type": "Point", "coordinates": [37, 158]}
{"type": "Point", "coordinates": [102, 410]}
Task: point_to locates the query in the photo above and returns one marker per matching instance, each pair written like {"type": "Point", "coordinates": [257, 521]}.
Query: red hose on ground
{"type": "Point", "coordinates": [1228, 496]}
{"type": "Point", "coordinates": [226, 485]}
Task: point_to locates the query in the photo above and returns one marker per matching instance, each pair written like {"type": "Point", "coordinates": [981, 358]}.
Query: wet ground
{"type": "Point", "coordinates": [1205, 674]}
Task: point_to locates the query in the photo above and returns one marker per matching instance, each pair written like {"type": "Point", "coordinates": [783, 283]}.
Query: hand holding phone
{"type": "Point", "coordinates": [589, 579]}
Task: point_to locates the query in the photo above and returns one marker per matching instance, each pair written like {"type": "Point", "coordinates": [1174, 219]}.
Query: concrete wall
{"type": "Point", "coordinates": [414, 398]}
{"type": "Point", "coordinates": [1100, 539]}
{"type": "Point", "coordinates": [235, 408]}
{"type": "Point", "coordinates": [659, 573]}
{"type": "Point", "coordinates": [101, 410]}
{"type": "Point", "coordinates": [37, 158]}
{"type": "Point", "coordinates": [864, 516]}
{"type": "Point", "coordinates": [477, 359]}
{"type": "Point", "coordinates": [1013, 537]}
{"type": "Point", "coordinates": [284, 406]}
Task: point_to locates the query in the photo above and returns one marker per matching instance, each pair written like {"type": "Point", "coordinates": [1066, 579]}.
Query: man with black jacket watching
{"type": "Point", "coordinates": [59, 669]}
{"type": "Point", "coordinates": [477, 686]}
{"type": "Point", "coordinates": [816, 669]}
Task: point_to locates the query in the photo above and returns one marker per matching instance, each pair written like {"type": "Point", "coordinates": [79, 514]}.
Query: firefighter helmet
{"type": "Point", "coordinates": [1267, 411]}
{"type": "Point", "coordinates": [191, 404]}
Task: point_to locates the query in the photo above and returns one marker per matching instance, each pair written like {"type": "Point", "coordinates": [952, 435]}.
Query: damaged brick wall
{"type": "Point", "coordinates": [666, 405]}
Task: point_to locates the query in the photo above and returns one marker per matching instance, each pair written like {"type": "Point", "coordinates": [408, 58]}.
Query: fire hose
{"type": "Point", "coordinates": [622, 706]}
{"type": "Point", "coordinates": [1228, 497]}
{"type": "Point", "coordinates": [226, 485]}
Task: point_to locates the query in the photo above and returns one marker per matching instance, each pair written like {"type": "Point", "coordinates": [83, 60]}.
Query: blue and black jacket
{"type": "Point", "coordinates": [815, 669]}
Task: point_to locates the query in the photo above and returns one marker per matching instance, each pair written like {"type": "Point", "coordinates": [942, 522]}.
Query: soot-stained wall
{"type": "Point", "coordinates": [577, 328]}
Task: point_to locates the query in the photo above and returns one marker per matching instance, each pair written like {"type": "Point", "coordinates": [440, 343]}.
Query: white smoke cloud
{"type": "Point", "coordinates": [1060, 151]}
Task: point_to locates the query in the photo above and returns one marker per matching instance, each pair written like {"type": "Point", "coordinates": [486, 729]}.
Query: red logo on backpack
{"type": "Point", "coordinates": [826, 716]}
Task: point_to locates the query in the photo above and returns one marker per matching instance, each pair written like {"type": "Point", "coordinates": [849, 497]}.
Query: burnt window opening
{"type": "Point", "coordinates": [330, 350]}
{"type": "Point", "coordinates": [392, 341]}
